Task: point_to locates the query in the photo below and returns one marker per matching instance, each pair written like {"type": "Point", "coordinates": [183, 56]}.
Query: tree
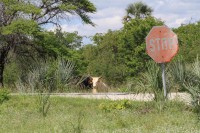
{"type": "Point", "coordinates": [58, 43]}
{"type": "Point", "coordinates": [189, 38]}
{"type": "Point", "coordinates": [138, 10]}
{"type": "Point", "coordinates": [20, 21]}
{"type": "Point", "coordinates": [108, 61]}
{"type": "Point", "coordinates": [133, 43]}
{"type": "Point", "coordinates": [120, 55]}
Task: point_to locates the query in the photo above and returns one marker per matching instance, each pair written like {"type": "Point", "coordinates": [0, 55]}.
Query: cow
{"type": "Point", "coordinates": [92, 83]}
{"type": "Point", "coordinates": [99, 85]}
{"type": "Point", "coordinates": [87, 83]}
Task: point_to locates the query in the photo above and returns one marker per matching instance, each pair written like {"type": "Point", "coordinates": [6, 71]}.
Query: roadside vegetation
{"type": "Point", "coordinates": [34, 60]}
{"type": "Point", "coordinates": [22, 114]}
{"type": "Point", "coordinates": [118, 56]}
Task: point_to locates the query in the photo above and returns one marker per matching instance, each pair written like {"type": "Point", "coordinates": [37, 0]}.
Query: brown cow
{"type": "Point", "coordinates": [87, 83]}
{"type": "Point", "coordinates": [99, 85]}
{"type": "Point", "coordinates": [94, 83]}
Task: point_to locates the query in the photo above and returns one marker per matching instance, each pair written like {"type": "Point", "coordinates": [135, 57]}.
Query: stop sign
{"type": "Point", "coordinates": [161, 44]}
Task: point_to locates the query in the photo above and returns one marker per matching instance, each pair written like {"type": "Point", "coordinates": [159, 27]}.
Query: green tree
{"type": "Point", "coordinates": [137, 10]}
{"type": "Point", "coordinates": [58, 43]}
{"type": "Point", "coordinates": [21, 20]}
{"type": "Point", "coordinates": [102, 59]}
{"type": "Point", "coordinates": [119, 55]}
{"type": "Point", "coordinates": [189, 38]}
{"type": "Point", "coordinates": [133, 43]}
{"type": "Point", "coordinates": [49, 45]}
{"type": "Point", "coordinates": [88, 55]}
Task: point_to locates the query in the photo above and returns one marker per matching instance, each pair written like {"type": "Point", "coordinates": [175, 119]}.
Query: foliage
{"type": "Point", "coordinates": [119, 55]}
{"type": "Point", "coordinates": [116, 105]}
{"type": "Point", "coordinates": [4, 95]}
{"type": "Point", "coordinates": [58, 44]}
{"type": "Point", "coordinates": [151, 81]}
{"type": "Point", "coordinates": [133, 43]}
{"type": "Point", "coordinates": [188, 78]}
{"type": "Point", "coordinates": [189, 38]}
{"type": "Point", "coordinates": [138, 10]}
{"type": "Point", "coordinates": [11, 73]}
{"type": "Point", "coordinates": [51, 45]}
{"type": "Point", "coordinates": [193, 86]}
{"type": "Point", "coordinates": [52, 75]}
{"type": "Point", "coordinates": [104, 58]}
{"type": "Point", "coordinates": [44, 78]}
{"type": "Point", "coordinates": [88, 54]}
{"type": "Point", "coordinates": [20, 26]}
{"type": "Point", "coordinates": [140, 117]}
{"type": "Point", "coordinates": [21, 22]}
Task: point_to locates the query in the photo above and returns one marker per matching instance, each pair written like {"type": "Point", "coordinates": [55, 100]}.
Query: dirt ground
{"type": "Point", "coordinates": [185, 97]}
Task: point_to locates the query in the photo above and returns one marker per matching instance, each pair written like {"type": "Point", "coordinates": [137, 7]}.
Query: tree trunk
{"type": "Point", "coordinates": [3, 55]}
{"type": "Point", "coordinates": [1, 73]}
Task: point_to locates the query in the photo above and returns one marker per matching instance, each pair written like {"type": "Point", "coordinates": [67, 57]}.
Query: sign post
{"type": "Point", "coordinates": [162, 46]}
{"type": "Point", "coordinates": [163, 80]}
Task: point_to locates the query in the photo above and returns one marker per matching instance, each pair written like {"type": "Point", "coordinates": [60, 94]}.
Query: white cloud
{"type": "Point", "coordinates": [102, 25]}
{"type": "Point", "coordinates": [180, 21]}
{"type": "Point", "coordinates": [107, 12]}
{"type": "Point", "coordinates": [110, 13]}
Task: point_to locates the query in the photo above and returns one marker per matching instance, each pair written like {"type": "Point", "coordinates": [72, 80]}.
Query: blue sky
{"type": "Point", "coordinates": [110, 13]}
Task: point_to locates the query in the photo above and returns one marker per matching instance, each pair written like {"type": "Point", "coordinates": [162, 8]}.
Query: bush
{"type": "Point", "coordinates": [187, 77]}
{"type": "Point", "coordinates": [52, 75]}
{"type": "Point", "coordinates": [4, 96]}
{"type": "Point", "coordinates": [151, 81]}
{"type": "Point", "coordinates": [116, 105]}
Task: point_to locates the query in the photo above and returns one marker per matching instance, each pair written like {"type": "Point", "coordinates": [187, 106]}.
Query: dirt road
{"type": "Point", "coordinates": [185, 97]}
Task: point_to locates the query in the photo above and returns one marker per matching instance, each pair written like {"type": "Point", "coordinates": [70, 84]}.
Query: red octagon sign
{"type": "Point", "coordinates": [161, 44]}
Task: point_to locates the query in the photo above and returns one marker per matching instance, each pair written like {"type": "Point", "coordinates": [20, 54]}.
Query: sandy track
{"type": "Point", "coordinates": [185, 97]}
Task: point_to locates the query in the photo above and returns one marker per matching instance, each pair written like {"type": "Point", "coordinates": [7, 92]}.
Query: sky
{"type": "Point", "coordinates": [110, 13]}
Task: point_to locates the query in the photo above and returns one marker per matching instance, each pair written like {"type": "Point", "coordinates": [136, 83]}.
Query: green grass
{"type": "Point", "coordinates": [21, 115]}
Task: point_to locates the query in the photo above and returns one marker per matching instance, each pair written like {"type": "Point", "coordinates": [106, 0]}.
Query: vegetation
{"type": "Point", "coordinates": [138, 10]}
{"type": "Point", "coordinates": [33, 59]}
{"type": "Point", "coordinates": [118, 56]}
{"type": "Point", "coordinates": [188, 35]}
{"type": "Point", "coordinates": [187, 76]}
{"type": "Point", "coordinates": [83, 115]}
{"type": "Point", "coordinates": [4, 96]}
{"type": "Point", "coordinates": [21, 21]}
{"type": "Point", "coordinates": [151, 81]}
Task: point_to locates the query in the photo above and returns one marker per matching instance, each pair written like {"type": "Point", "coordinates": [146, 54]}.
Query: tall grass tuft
{"type": "Point", "coordinates": [63, 74]}
{"type": "Point", "coordinates": [193, 86]}
{"type": "Point", "coordinates": [187, 77]}
{"type": "Point", "coordinates": [53, 75]}
{"type": "Point", "coordinates": [43, 103]}
{"type": "Point", "coordinates": [45, 78]}
{"type": "Point", "coordinates": [151, 81]}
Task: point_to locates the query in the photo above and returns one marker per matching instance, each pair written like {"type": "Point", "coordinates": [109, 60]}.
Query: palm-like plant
{"type": "Point", "coordinates": [137, 10]}
{"type": "Point", "coordinates": [188, 78]}
{"type": "Point", "coordinates": [152, 80]}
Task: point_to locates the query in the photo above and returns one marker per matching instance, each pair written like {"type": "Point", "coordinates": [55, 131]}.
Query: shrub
{"type": "Point", "coordinates": [116, 105]}
{"type": "Point", "coordinates": [53, 75]}
{"type": "Point", "coordinates": [188, 78]}
{"type": "Point", "coordinates": [151, 81]}
{"type": "Point", "coordinates": [4, 95]}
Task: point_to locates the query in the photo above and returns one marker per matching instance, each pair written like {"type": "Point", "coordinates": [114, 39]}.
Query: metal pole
{"type": "Point", "coordinates": [163, 80]}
